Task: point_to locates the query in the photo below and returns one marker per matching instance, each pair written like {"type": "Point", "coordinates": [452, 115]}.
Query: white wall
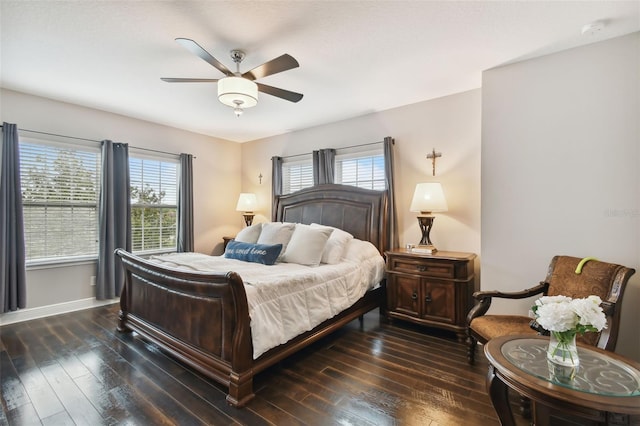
{"type": "Point", "coordinates": [450, 124]}
{"type": "Point", "coordinates": [560, 155]}
{"type": "Point", "coordinates": [216, 179]}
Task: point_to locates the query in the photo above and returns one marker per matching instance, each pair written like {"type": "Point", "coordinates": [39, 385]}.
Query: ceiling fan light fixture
{"type": "Point", "coordinates": [237, 92]}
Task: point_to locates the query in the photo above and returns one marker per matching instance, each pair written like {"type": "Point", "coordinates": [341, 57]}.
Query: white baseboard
{"type": "Point", "coordinates": [46, 311]}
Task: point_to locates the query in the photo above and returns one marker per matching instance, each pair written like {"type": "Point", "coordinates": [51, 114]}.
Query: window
{"type": "Point", "coordinates": [296, 175]}
{"type": "Point", "coordinates": [361, 169]}
{"type": "Point", "coordinates": [154, 203]}
{"type": "Point", "coordinates": [60, 196]}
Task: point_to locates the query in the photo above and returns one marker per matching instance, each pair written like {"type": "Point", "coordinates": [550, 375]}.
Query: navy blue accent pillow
{"type": "Point", "coordinates": [257, 253]}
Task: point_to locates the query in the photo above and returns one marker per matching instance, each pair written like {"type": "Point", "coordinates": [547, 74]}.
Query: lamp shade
{"type": "Point", "coordinates": [237, 92]}
{"type": "Point", "coordinates": [428, 197]}
{"type": "Point", "coordinates": [247, 202]}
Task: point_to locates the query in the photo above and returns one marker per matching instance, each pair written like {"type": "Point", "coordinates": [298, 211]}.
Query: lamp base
{"type": "Point", "coordinates": [425, 221]}
{"type": "Point", "coordinates": [248, 218]}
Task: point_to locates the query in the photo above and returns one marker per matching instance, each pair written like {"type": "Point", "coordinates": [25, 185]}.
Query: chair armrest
{"type": "Point", "coordinates": [484, 298]}
{"type": "Point", "coordinates": [608, 308]}
{"type": "Point", "coordinates": [540, 288]}
{"type": "Point", "coordinates": [537, 327]}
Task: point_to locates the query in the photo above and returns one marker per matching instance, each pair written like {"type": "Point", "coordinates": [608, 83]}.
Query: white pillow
{"type": "Point", "coordinates": [359, 251]}
{"type": "Point", "coordinates": [249, 234]}
{"type": "Point", "coordinates": [306, 245]}
{"type": "Point", "coordinates": [336, 245]}
{"type": "Point", "coordinates": [276, 233]}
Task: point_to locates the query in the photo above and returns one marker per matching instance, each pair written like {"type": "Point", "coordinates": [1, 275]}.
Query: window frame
{"type": "Point", "coordinates": [303, 162]}
{"type": "Point", "coordinates": [355, 154]}
{"type": "Point", "coordinates": [145, 155]}
{"type": "Point", "coordinates": [59, 144]}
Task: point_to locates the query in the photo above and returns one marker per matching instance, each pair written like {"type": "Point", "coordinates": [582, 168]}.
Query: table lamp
{"type": "Point", "coordinates": [247, 203]}
{"type": "Point", "coordinates": [427, 198]}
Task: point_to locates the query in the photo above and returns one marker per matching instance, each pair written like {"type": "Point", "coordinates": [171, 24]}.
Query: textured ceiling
{"type": "Point", "coordinates": [356, 57]}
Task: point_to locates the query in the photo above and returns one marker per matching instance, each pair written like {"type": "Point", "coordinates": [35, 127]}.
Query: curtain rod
{"type": "Point", "coordinates": [89, 140]}
{"type": "Point", "coordinates": [342, 147]}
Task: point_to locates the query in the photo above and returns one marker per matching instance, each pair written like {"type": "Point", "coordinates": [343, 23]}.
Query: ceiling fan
{"type": "Point", "coordinates": [238, 90]}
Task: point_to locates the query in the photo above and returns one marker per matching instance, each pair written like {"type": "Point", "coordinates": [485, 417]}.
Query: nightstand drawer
{"type": "Point", "coordinates": [422, 267]}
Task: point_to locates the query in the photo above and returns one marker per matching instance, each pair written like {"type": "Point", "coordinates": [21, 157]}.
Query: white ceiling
{"type": "Point", "coordinates": [356, 57]}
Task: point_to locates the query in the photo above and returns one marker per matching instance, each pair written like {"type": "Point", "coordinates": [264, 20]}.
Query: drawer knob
{"type": "Point", "coordinates": [414, 296]}
{"type": "Point", "coordinates": [421, 268]}
{"type": "Point", "coordinates": [428, 298]}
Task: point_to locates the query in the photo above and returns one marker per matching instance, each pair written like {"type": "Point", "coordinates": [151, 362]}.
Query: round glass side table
{"type": "Point", "coordinates": [597, 373]}
{"type": "Point", "coordinates": [603, 387]}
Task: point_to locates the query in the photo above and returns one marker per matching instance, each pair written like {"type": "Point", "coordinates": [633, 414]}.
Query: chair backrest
{"type": "Point", "coordinates": [603, 279]}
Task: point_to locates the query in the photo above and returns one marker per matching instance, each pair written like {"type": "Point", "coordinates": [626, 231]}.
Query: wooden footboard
{"type": "Point", "coordinates": [203, 320]}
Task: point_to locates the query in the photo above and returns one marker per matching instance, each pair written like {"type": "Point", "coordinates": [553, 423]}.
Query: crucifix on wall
{"type": "Point", "coordinates": [432, 156]}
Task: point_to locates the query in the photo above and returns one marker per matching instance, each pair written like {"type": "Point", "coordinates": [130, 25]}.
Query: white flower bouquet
{"type": "Point", "coordinates": [564, 318]}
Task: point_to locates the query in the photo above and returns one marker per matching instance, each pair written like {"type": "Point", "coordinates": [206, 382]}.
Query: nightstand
{"type": "Point", "coordinates": [434, 290]}
{"type": "Point", "coordinates": [225, 241]}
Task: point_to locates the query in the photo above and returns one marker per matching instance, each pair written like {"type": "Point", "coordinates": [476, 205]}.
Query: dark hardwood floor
{"type": "Point", "coordinates": [76, 369]}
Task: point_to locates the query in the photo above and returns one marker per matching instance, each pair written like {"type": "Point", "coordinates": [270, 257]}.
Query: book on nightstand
{"type": "Point", "coordinates": [423, 249]}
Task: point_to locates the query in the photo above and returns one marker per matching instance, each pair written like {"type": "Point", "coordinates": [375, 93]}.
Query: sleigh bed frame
{"type": "Point", "coordinates": [202, 319]}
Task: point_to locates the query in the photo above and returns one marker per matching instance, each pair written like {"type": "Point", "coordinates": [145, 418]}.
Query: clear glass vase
{"type": "Point", "coordinates": [562, 348]}
{"type": "Point", "coordinates": [562, 355]}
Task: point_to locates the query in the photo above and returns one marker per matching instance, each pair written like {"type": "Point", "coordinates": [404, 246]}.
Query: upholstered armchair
{"type": "Point", "coordinates": [603, 279]}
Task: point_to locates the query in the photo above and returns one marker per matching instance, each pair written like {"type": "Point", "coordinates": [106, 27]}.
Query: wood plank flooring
{"type": "Point", "coordinates": [76, 369]}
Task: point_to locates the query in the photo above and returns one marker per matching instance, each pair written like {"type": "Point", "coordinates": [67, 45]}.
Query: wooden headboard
{"type": "Point", "coordinates": [360, 212]}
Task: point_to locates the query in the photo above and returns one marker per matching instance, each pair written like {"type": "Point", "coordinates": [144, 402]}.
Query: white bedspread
{"type": "Point", "coordinates": [287, 299]}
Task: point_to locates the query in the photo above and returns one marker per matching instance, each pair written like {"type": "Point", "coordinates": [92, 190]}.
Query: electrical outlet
{"type": "Point", "coordinates": [92, 280]}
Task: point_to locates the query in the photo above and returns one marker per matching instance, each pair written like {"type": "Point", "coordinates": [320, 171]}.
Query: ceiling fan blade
{"type": "Point", "coordinates": [188, 80]}
{"type": "Point", "coordinates": [195, 48]}
{"type": "Point", "coordinates": [280, 93]}
{"type": "Point", "coordinates": [274, 66]}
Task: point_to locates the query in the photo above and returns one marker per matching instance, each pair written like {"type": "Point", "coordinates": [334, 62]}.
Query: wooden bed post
{"type": "Point", "coordinates": [241, 375]}
{"type": "Point", "coordinates": [240, 389]}
{"type": "Point", "coordinates": [124, 297]}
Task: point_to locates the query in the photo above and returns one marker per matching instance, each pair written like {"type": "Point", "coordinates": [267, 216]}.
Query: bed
{"type": "Point", "coordinates": [202, 319]}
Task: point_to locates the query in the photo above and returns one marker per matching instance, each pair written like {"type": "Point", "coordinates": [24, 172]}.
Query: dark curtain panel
{"type": "Point", "coordinates": [393, 240]}
{"type": "Point", "coordinates": [185, 204]}
{"type": "Point", "coordinates": [315, 165]}
{"type": "Point", "coordinates": [276, 183]}
{"type": "Point", "coordinates": [324, 162]}
{"type": "Point", "coordinates": [12, 250]}
{"type": "Point", "coordinates": [115, 218]}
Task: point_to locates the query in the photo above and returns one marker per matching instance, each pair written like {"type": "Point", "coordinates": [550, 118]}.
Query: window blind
{"type": "Point", "coordinates": [154, 207]}
{"type": "Point", "coordinates": [60, 195]}
{"type": "Point", "coordinates": [296, 176]}
{"type": "Point", "coordinates": [364, 170]}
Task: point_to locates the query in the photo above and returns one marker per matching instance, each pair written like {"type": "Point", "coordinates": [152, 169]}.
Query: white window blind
{"type": "Point", "coordinates": [361, 169]}
{"type": "Point", "coordinates": [60, 195]}
{"type": "Point", "coordinates": [296, 176]}
{"type": "Point", "coordinates": [154, 207]}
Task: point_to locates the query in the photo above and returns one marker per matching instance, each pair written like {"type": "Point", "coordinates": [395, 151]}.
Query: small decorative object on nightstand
{"type": "Point", "coordinates": [434, 290]}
